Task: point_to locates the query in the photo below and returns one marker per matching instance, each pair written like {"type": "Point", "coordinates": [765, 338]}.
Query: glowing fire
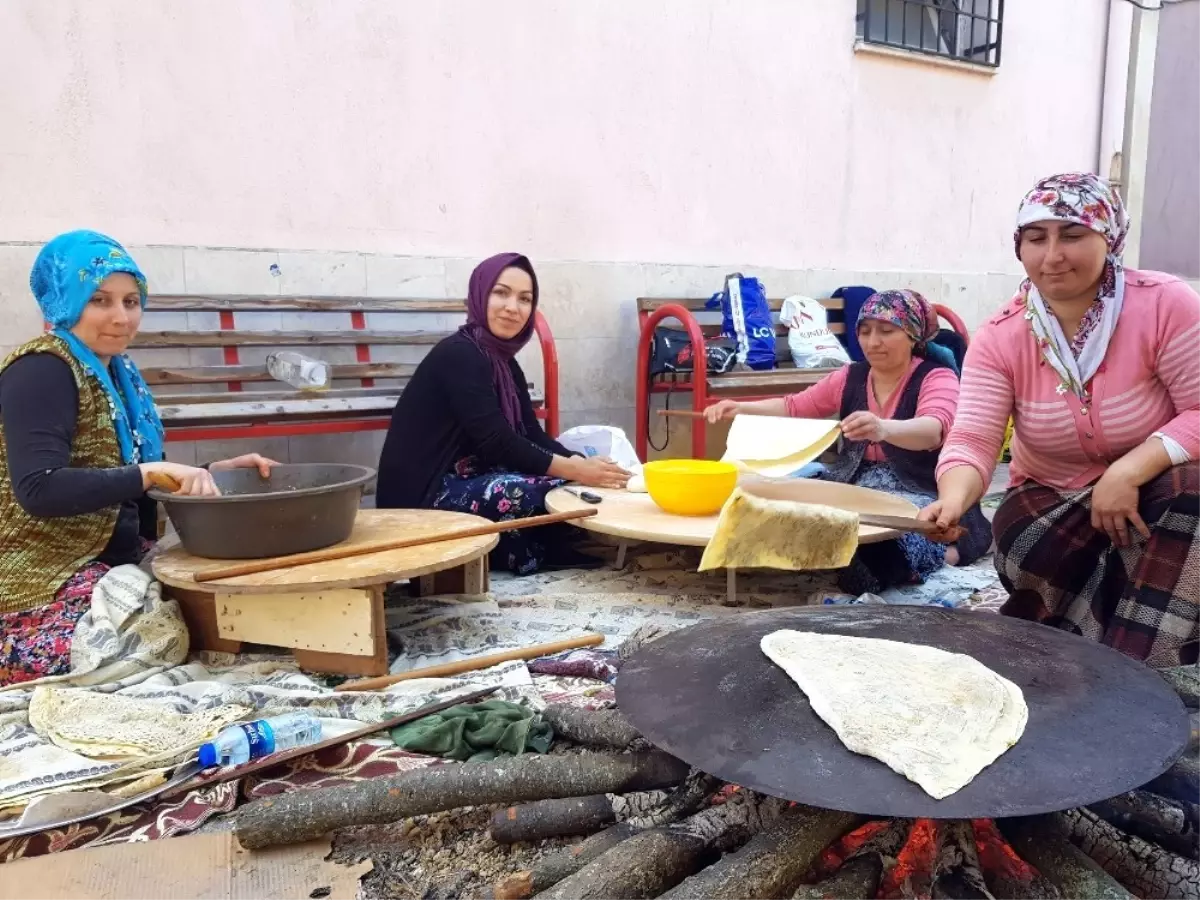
{"type": "Point", "coordinates": [912, 875]}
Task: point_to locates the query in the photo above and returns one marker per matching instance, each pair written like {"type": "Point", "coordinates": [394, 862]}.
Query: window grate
{"type": "Point", "coordinates": [966, 30]}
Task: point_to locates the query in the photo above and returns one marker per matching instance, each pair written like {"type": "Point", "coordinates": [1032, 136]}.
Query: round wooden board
{"type": "Point", "coordinates": [176, 568]}
{"type": "Point", "coordinates": [638, 518]}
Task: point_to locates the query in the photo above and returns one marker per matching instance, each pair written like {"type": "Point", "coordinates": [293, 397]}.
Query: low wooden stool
{"type": "Point", "coordinates": [329, 613]}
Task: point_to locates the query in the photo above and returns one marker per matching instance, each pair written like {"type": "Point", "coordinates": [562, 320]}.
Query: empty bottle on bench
{"type": "Point", "coordinates": [298, 370]}
{"type": "Point", "coordinates": [245, 741]}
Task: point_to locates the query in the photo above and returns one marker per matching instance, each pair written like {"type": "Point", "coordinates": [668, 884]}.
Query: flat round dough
{"type": "Point", "coordinates": [937, 718]}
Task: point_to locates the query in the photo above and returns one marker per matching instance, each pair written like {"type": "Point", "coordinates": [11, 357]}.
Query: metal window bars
{"type": "Point", "coordinates": [966, 30]}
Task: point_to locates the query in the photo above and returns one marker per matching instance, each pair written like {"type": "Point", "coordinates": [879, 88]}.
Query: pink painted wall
{"type": "Point", "coordinates": [705, 131]}
{"type": "Point", "coordinates": [1171, 230]}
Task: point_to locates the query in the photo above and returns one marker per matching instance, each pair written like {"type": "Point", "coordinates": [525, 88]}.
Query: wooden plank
{"type": "Point", "coordinates": [349, 664]}
{"type": "Point", "coordinates": [773, 381]}
{"type": "Point", "coordinates": [262, 303]}
{"type": "Point", "coordinates": [320, 406]}
{"type": "Point", "coordinates": [158, 375]}
{"type": "Point", "coordinates": [199, 610]}
{"type": "Point", "coordinates": [344, 338]}
{"type": "Point", "coordinates": [264, 396]}
{"type": "Point", "coordinates": [697, 304]}
{"type": "Point", "coordinates": [332, 621]}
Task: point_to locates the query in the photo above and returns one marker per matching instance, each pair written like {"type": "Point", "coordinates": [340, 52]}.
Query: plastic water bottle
{"type": "Point", "coordinates": [245, 741]}
{"type": "Point", "coordinates": [298, 370]}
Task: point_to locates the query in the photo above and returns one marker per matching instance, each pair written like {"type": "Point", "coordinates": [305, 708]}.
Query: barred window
{"type": "Point", "coordinates": [967, 30]}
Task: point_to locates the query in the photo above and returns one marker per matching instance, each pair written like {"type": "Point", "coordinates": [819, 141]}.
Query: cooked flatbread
{"type": "Point", "coordinates": [937, 718]}
{"type": "Point", "coordinates": [776, 446]}
{"type": "Point", "coordinates": [754, 532]}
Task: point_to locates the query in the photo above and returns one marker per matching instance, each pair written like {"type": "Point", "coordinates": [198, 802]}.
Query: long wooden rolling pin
{"type": "Point", "coordinates": [343, 551]}
{"type": "Point", "coordinates": [478, 662]}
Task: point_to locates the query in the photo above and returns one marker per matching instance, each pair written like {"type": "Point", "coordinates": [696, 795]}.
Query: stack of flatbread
{"type": "Point", "coordinates": [937, 718]}
{"type": "Point", "coordinates": [775, 446]}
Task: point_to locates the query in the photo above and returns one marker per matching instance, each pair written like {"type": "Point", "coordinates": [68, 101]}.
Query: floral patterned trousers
{"type": "Point", "coordinates": [499, 495]}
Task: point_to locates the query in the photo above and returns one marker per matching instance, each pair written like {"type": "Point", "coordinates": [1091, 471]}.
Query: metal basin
{"type": "Point", "coordinates": [300, 507]}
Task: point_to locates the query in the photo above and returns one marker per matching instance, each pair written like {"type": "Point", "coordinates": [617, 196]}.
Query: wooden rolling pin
{"type": "Point", "coordinates": [344, 551]}
{"type": "Point", "coordinates": [471, 665]}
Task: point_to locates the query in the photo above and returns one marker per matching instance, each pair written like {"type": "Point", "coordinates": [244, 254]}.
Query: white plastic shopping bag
{"type": "Point", "coordinates": [811, 343]}
{"type": "Point", "coordinates": [602, 440]}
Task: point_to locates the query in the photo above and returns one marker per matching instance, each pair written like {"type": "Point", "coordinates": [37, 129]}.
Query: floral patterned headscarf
{"type": "Point", "coordinates": [1087, 200]}
{"type": "Point", "coordinates": [65, 274]}
{"type": "Point", "coordinates": [907, 310]}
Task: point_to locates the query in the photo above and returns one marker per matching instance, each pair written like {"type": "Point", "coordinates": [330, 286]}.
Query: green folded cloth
{"type": "Point", "coordinates": [477, 732]}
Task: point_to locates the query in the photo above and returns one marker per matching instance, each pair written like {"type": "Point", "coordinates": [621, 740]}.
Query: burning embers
{"type": "Point", "coordinates": [902, 858]}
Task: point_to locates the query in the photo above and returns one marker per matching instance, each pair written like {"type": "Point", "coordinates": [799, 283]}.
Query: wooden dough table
{"type": "Point", "coordinates": [329, 613]}
{"type": "Point", "coordinates": [635, 518]}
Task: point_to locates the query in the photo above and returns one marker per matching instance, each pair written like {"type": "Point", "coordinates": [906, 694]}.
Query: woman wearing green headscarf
{"type": "Point", "coordinates": [81, 442]}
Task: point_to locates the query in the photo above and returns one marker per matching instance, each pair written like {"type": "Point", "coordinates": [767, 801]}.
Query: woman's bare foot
{"type": "Point", "coordinates": [952, 556]}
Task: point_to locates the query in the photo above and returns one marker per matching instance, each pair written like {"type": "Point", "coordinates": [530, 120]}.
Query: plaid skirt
{"type": "Point", "coordinates": [1143, 600]}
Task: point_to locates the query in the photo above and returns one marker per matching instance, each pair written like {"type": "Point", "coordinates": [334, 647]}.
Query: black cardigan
{"type": "Point", "coordinates": [450, 409]}
{"type": "Point", "coordinates": [39, 405]}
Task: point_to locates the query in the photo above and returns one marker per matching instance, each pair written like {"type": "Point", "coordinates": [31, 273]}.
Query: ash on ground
{"type": "Point", "coordinates": [442, 856]}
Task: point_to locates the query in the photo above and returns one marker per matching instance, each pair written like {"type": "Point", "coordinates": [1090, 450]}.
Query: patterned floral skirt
{"type": "Point", "coordinates": [909, 559]}
{"type": "Point", "coordinates": [499, 495]}
{"type": "Point", "coordinates": [1141, 599]}
{"type": "Point", "coordinates": [36, 643]}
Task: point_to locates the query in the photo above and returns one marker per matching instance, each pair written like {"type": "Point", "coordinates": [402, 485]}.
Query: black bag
{"type": "Point", "coordinates": [671, 353]}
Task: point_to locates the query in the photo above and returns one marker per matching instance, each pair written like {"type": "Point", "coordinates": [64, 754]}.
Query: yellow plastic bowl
{"type": "Point", "coordinates": [690, 487]}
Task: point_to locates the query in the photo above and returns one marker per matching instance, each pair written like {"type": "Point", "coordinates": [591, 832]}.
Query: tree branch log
{"type": "Point", "coordinates": [305, 815]}
{"type": "Point", "coordinates": [1152, 818]}
{"type": "Point", "coordinates": [956, 871]}
{"type": "Point", "coordinates": [1043, 843]}
{"type": "Point", "coordinates": [1146, 870]}
{"type": "Point", "coordinates": [654, 861]}
{"type": "Point", "coordinates": [773, 862]}
{"type": "Point", "coordinates": [1180, 782]}
{"type": "Point", "coordinates": [541, 819]}
{"type": "Point", "coordinates": [596, 728]}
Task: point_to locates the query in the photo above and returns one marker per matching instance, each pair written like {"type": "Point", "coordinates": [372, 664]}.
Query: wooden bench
{"type": "Point", "coordinates": [745, 385]}
{"type": "Point", "coordinates": [205, 360]}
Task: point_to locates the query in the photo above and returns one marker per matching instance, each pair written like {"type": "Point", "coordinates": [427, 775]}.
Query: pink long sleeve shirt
{"type": "Point", "coordinates": [1148, 383]}
{"type": "Point", "coordinates": [937, 399]}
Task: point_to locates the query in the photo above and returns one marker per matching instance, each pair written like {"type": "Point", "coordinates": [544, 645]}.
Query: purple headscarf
{"type": "Point", "coordinates": [499, 350]}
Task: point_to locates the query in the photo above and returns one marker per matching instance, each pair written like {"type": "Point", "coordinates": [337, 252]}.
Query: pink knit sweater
{"type": "Point", "coordinates": [1149, 382]}
{"type": "Point", "coordinates": [937, 398]}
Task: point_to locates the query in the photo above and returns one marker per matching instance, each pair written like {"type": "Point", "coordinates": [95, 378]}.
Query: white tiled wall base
{"type": "Point", "coordinates": [590, 305]}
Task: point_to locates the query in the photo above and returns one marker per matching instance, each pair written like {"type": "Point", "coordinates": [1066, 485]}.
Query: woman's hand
{"type": "Point", "coordinates": [944, 513]}
{"type": "Point", "coordinates": [725, 409]}
{"type": "Point", "coordinates": [247, 461]}
{"type": "Point", "coordinates": [598, 471]}
{"type": "Point", "coordinates": [1115, 505]}
{"type": "Point", "coordinates": [865, 426]}
{"type": "Point", "coordinates": [192, 481]}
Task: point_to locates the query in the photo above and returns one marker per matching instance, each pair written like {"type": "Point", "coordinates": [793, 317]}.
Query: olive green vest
{"type": "Point", "coordinates": [37, 556]}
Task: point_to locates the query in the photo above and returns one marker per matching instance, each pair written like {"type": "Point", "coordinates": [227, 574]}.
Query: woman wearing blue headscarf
{"type": "Point", "coordinates": [81, 443]}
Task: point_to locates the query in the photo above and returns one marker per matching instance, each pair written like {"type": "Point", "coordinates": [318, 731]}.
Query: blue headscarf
{"type": "Point", "coordinates": [65, 276]}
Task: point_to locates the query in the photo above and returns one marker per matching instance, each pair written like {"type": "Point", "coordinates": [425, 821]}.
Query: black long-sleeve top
{"type": "Point", "coordinates": [39, 406]}
{"type": "Point", "coordinates": [451, 409]}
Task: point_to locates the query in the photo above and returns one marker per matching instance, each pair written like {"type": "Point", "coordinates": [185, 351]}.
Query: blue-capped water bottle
{"type": "Point", "coordinates": [245, 741]}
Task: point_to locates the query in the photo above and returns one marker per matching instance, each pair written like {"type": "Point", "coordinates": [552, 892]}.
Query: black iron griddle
{"type": "Point", "coordinates": [1100, 723]}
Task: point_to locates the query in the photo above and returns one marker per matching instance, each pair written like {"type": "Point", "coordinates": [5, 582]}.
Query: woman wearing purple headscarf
{"type": "Point", "coordinates": [464, 436]}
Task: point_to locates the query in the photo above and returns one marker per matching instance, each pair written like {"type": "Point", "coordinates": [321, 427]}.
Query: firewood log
{"type": "Point", "coordinates": [1180, 782]}
{"type": "Point", "coordinates": [1042, 842]}
{"type": "Point", "coordinates": [596, 728]}
{"type": "Point", "coordinates": [554, 867]}
{"type": "Point", "coordinates": [1152, 818]}
{"type": "Point", "coordinates": [654, 861]}
{"type": "Point", "coordinates": [956, 871]}
{"type": "Point", "coordinates": [1186, 682]}
{"type": "Point", "coordinates": [695, 792]}
{"type": "Point", "coordinates": [773, 862]}
{"type": "Point", "coordinates": [859, 874]}
{"type": "Point", "coordinates": [1145, 869]}
{"type": "Point", "coordinates": [541, 819]}
{"type": "Point", "coordinates": [305, 815]}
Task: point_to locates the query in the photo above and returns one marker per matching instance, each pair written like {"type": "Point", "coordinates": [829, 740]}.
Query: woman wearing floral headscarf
{"type": "Point", "coordinates": [895, 409]}
{"type": "Point", "coordinates": [1098, 367]}
{"type": "Point", "coordinates": [81, 442]}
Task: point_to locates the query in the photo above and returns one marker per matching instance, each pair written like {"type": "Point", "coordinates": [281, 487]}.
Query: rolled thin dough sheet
{"type": "Point", "coordinates": [776, 446]}
{"type": "Point", "coordinates": [937, 718]}
{"type": "Point", "coordinates": [754, 532]}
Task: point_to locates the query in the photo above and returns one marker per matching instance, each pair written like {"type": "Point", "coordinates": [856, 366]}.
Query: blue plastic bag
{"type": "Point", "coordinates": [746, 317]}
